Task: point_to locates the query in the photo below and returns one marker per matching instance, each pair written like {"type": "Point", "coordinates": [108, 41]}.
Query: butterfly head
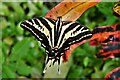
{"type": "Point", "coordinates": [54, 52]}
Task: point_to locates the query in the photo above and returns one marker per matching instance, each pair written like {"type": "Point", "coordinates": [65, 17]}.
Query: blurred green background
{"type": "Point", "coordinates": [23, 56]}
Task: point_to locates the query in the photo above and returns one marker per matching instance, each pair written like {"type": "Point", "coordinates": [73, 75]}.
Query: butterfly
{"type": "Point", "coordinates": [56, 36]}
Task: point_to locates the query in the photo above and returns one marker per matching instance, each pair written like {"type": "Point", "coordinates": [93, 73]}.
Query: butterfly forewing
{"type": "Point", "coordinates": [42, 29]}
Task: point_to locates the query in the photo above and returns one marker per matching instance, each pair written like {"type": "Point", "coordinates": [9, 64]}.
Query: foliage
{"type": "Point", "coordinates": [23, 56]}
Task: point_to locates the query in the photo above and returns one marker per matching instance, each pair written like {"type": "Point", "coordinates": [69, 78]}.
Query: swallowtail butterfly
{"type": "Point", "coordinates": [56, 36]}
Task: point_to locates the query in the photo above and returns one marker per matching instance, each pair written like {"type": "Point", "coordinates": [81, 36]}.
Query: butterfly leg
{"type": "Point", "coordinates": [59, 65]}
{"type": "Point", "coordinates": [54, 61]}
{"type": "Point", "coordinates": [46, 62]}
{"type": "Point", "coordinates": [57, 59]}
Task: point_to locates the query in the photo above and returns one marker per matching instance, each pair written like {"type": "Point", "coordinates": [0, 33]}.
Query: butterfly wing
{"type": "Point", "coordinates": [41, 28]}
{"type": "Point", "coordinates": [67, 34]}
{"type": "Point", "coordinates": [71, 33]}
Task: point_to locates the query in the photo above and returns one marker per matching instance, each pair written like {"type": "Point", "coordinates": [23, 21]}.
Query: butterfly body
{"type": "Point", "coordinates": [56, 36]}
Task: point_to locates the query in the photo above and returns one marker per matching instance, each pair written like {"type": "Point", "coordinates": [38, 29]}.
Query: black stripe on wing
{"type": "Point", "coordinates": [49, 27]}
{"type": "Point", "coordinates": [71, 27]}
{"type": "Point", "coordinates": [86, 34]}
{"type": "Point", "coordinates": [74, 40]}
{"type": "Point", "coordinates": [28, 25]}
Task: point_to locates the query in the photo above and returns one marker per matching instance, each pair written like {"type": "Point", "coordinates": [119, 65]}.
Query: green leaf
{"type": "Point", "coordinates": [76, 72]}
{"type": "Point", "coordinates": [3, 9]}
{"type": "Point", "coordinates": [14, 11]}
{"type": "Point", "coordinates": [105, 8]}
{"type": "Point", "coordinates": [86, 61]}
{"type": "Point", "coordinates": [19, 30]}
{"type": "Point", "coordinates": [24, 69]}
{"type": "Point", "coordinates": [20, 50]}
{"type": "Point", "coordinates": [7, 72]}
{"type": "Point", "coordinates": [4, 51]}
{"type": "Point", "coordinates": [109, 65]}
{"type": "Point", "coordinates": [86, 71]}
{"type": "Point", "coordinates": [98, 75]}
{"type": "Point", "coordinates": [79, 51]}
